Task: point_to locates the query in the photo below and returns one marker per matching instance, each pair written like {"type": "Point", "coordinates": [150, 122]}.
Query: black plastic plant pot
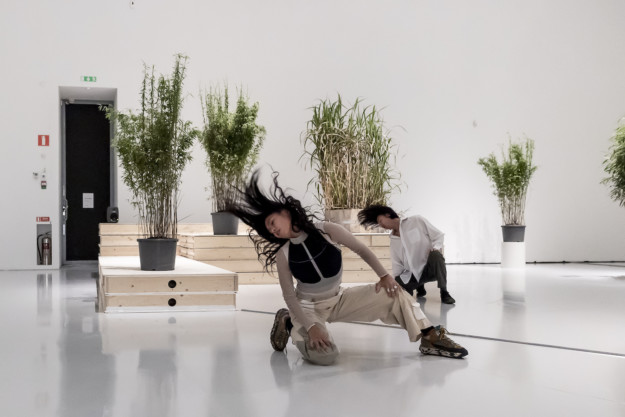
{"type": "Point", "coordinates": [157, 254]}
{"type": "Point", "coordinates": [513, 233]}
{"type": "Point", "coordinates": [225, 224]}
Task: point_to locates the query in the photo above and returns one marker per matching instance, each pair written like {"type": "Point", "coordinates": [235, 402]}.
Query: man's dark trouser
{"type": "Point", "coordinates": [434, 270]}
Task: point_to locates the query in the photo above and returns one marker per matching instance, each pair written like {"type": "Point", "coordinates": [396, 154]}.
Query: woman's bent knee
{"type": "Point", "coordinates": [318, 357]}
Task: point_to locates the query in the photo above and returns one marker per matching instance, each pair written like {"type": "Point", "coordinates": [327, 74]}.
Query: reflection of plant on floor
{"type": "Point", "coordinates": [510, 179]}
{"type": "Point", "coordinates": [614, 166]}
{"type": "Point", "coordinates": [351, 153]}
{"type": "Point", "coordinates": [232, 141]}
{"type": "Point", "coordinates": [154, 147]}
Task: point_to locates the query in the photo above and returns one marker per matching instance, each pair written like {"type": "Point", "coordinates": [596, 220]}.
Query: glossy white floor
{"type": "Point", "coordinates": [58, 357]}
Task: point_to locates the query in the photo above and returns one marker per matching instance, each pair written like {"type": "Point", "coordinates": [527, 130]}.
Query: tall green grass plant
{"type": "Point", "coordinates": [232, 141]}
{"type": "Point", "coordinates": [614, 165]}
{"type": "Point", "coordinates": [154, 145]}
{"type": "Point", "coordinates": [351, 153]}
{"type": "Point", "coordinates": [510, 179]}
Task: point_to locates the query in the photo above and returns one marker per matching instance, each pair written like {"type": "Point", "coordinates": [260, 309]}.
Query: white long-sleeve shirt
{"type": "Point", "coordinates": [410, 251]}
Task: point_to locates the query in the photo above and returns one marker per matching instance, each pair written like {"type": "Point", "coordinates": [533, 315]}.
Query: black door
{"type": "Point", "coordinates": [87, 178]}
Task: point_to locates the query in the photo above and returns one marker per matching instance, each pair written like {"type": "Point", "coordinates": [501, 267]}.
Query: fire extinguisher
{"type": "Point", "coordinates": [44, 248]}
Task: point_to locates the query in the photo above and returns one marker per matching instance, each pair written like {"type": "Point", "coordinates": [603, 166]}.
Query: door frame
{"type": "Point", "coordinates": [63, 182]}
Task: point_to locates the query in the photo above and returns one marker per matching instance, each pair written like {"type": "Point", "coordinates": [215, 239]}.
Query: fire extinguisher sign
{"type": "Point", "coordinates": [43, 140]}
{"type": "Point", "coordinates": [43, 219]}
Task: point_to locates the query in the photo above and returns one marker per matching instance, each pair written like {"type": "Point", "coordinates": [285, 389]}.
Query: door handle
{"type": "Point", "coordinates": [65, 211]}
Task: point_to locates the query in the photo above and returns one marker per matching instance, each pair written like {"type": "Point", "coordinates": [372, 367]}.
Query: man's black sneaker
{"type": "Point", "coordinates": [436, 342]}
{"type": "Point", "coordinates": [280, 332]}
{"type": "Point", "coordinates": [421, 291]}
{"type": "Point", "coordinates": [446, 298]}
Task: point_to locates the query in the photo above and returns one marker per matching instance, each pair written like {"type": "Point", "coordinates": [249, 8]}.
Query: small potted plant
{"type": "Point", "coordinates": [154, 146]}
{"type": "Point", "coordinates": [510, 179]}
{"type": "Point", "coordinates": [351, 152]}
{"type": "Point", "coordinates": [232, 141]}
{"type": "Point", "coordinates": [614, 165]}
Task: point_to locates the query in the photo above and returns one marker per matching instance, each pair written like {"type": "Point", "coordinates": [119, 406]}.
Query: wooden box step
{"type": "Point", "coordinates": [130, 251]}
{"type": "Point", "coordinates": [177, 284]}
{"type": "Point", "coordinates": [235, 252]}
{"type": "Point", "coordinates": [192, 286]}
{"type": "Point", "coordinates": [134, 229]}
{"type": "Point", "coordinates": [118, 240]}
{"type": "Point", "coordinates": [119, 250]}
{"type": "Point", "coordinates": [148, 303]}
{"type": "Point", "coordinates": [212, 241]}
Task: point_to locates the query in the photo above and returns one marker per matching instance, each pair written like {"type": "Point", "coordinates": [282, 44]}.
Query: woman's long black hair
{"type": "Point", "coordinates": [253, 208]}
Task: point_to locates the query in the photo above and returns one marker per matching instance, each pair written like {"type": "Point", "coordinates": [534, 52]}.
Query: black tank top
{"type": "Point", "coordinates": [314, 258]}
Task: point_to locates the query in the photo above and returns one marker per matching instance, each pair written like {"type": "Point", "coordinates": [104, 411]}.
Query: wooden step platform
{"type": "Point", "coordinates": [236, 252]}
{"type": "Point", "coordinates": [120, 239]}
{"type": "Point", "coordinates": [192, 286]}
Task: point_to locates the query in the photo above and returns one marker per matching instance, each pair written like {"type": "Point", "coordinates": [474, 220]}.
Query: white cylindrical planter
{"type": "Point", "coordinates": [513, 254]}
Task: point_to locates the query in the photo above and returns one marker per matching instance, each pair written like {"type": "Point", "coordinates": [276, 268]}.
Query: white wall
{"type": "Point", "coordinates": [454, 76]}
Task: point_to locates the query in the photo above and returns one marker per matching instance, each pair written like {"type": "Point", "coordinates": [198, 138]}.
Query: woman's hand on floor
{"type": "Point", "coordinates": [389, 285]}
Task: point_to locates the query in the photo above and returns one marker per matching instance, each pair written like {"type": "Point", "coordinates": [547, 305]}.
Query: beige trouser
{"type": "Point", "coordinates": [359, 303]}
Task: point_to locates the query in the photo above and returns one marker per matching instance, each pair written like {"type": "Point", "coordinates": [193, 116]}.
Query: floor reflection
{"type": "Point", "coordinates": [513, 284]}
{"type": "Point", "coordinates": [431, 305]}
{"type": "Point", "coordinates": [44, 298]}
{"type": "Point", "coordinates": [157, 373]}
{"type": "Point", "coordinates": [87, 376]}
{"type": "Point", "coordinates": [61, 358]}
{"type": "Point", "coordinates": [407, 380]}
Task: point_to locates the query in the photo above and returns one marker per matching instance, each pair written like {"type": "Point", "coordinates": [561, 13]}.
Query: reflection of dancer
{"type": "Point", "coordinates": [416, 249]}
{"type": "Point", "coordinates": [309, 252]}
{"type": "Point", "coordinates": [437, 312]}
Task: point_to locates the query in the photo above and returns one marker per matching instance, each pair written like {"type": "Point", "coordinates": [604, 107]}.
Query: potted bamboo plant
{"type": "Point", "coordinates": [614, 165]}
{"type": "Point", "coordinates": [232, 141]}
{"type": "Point", "coordinates": [154, 146]}
{"type": "Point", "coordinates": [510, 179]}
{"type": "Point", "coordinates": [351, 153]}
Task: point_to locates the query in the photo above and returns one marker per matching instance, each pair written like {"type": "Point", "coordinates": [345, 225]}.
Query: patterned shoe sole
{"type": "Point", "coordinates": [439, 352]}
{"type": "Point", "coordinates": [279, 336]}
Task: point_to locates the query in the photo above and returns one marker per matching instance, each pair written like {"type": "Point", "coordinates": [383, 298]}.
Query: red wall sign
{"type": "Point", "coordinates": [43, 219]}
{"type": "Point", "coordinates": [44, 140]}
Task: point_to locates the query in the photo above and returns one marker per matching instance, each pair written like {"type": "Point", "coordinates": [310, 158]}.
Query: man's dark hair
{"type": "Point", "coordinates": [369, 216]}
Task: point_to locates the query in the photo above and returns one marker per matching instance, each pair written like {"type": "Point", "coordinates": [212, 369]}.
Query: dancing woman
{"type": "Point", "coordinates": [288, 239]}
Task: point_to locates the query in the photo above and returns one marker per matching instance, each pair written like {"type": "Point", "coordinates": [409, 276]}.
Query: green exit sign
{"type": "Point", "coordinates": [88, 78]}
